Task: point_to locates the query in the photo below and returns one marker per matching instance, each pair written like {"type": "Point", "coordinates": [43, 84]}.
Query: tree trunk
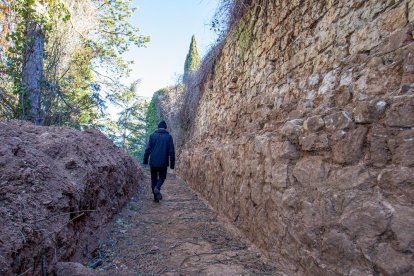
{"type": "Point", "coordinates": [32, 72]}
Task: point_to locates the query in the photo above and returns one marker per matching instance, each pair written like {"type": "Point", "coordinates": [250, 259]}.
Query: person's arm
{"type": "Point", "coordinates": [148, 151]}
{"type": "Point", "coordinates": [171, 153]}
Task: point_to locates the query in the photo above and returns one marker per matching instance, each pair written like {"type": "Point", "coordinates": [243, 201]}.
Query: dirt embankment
{"type": "Point", "coordinates": [57, 187]}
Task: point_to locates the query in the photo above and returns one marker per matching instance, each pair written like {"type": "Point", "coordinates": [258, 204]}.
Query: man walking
{"type": "Point", "coordinates": [161, 149]}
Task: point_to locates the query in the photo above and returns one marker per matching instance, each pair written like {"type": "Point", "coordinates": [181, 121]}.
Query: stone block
{"type": "Point", "coordinates": [311, 171]}
{"type": "Point", "coordinates": [393, 19]}
{"type": "Point", "coordinates": [314, 141]}
{"type": "Point", "coordinates": [397, 40]}
{"type": "Point", "coordinates": [284, 150]}
{"type": "Point", "coordinates": [280, 176]}
{"type": "Point", "coordinates": [401, 114]}
{"type": "Point", "coordinates": [337, 246]}
{"type": "Point", "coordinates": [314, 123]}
{"type": "Point", "coordinates": [390, 261]}
{"type": "Point", "coordinates": [290, 198]}
{"type": "Point", "coordinates": [379, 77]}
{"type": "Point", "coordinates": [404, 152]}
{"type": "Point", "coordinates": [346, 78]}
{"type": "Point", "coordinates": [411, 11]}
{"type": "Point", "coordinates": [368, 112]}
{"type": "Point", "coordinates": [268, 168]}
{"type": "Point", "coordinates": [338, 120]}
{"type": "Point", "coordinates": [292, 129]}
{"type": "Point", "coordinates": [310, 215]}
{"type": "Point", "coordinates": [358, 176]}
{"type": "Point", "coordinates": [329, 82]}
{"type": "Point", "coordinates": [365, 221]}
{"type": "Point", "coordinates": [364, 39]}
{"type": "Point", "coordinates": [350, 149]}
{"type": "Point", "coordinates": [402, 224]}
{"type": "Point", "coordinates": [261, 144]}
{"type": "Point", "coordinates": [397, 183]}
{"type": "Point", "coordinates": [378, 149]}
{"type": "Point", "coordinates": [256, 191]}
{"type": "Point", "coordinates": [343, 96]}
{"type": "Point", "coordinates": [408, 69]}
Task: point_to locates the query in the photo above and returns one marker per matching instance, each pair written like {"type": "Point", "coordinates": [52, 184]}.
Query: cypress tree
{"type": "Point", "coordinates": [192, 61]}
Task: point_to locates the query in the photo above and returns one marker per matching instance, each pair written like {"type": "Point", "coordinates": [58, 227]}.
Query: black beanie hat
{"type": "Point", "coordinates": [162, 124]}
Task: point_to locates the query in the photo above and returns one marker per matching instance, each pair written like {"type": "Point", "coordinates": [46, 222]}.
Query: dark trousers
{"type": "Point", "coordinates": [158, 176]}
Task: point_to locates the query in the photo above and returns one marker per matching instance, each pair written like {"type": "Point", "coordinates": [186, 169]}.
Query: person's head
{"type": "Point", "coordinates": [162, 124]}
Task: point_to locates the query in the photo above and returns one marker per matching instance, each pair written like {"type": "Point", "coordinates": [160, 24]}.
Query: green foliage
{"type": "Point", "coordinates": [26, 13]}
{"type": "Point", "coordinates": [113, 37]}
{"type": "Point", "coordinates": [128, 131]}
{"type": "Point", "coordinates": [83, 62]}
{"type": "Point", "coordinates": [153, 116]}
{"type": "Point", "coordinates": [244, 35]}
{"type": "Point", "coordinates": [192, 61]}
{"type": "Point", "coordinates": [74, 100]}
{"type": "Point", "coordinates": [131, 121]}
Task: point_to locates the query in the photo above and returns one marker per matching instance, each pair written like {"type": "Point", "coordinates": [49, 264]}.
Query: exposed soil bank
{"type": "Point", "coordinates": [57, 186]}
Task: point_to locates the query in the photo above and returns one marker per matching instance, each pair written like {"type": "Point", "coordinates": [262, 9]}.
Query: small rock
{"type": "Point", "coordinates": [289, 197]}
{"type": "Point", "coordinates": [343, 96]}
{"type": "Point", "coordinates": [351, 177]}
{"type": "Point", "coordinates": [402, 224]}
{"type": "Point", "coordinates": [393, 19]}
{"type": "Point", "coordinates": [338, 120]}
{"type": "Point", "coordinates": [292, 129]}
{"type": "Point", "coordinates": [280, 176]}
{"type": "Point", "coordinates": [350, 148]}
{"type": "Point", "coordinates": [404, 152]}
{"type": "Point", "coordinates": [311, 171]}
{"type": "Point", "coordinates": [314, 123]}
{"type": "Point", "coordinates": [398, 183]}
{"type": "Point", "coordinates": [391, 262]}
{"type": "Point", "coordinates": [337, 246]}
{"type": "Point", "coordinates": [378, 150]}
{"type": "Point", "coordinates": [401, 114]}
{"type": "Point", "coordinates": [365, 220]}
{"type": "Point", "coordinates": [71, 164]}
{"type": "Point", "coordinates": [368, 112]}
{"type": "Point", "coordinates": [329, 82]}
{"type": "Point", "coordinates": [284, 150]}
{"type": "Point", "coordinates": [314, 142]}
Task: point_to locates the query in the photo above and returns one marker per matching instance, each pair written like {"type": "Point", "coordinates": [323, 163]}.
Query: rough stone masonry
{"type": "Point", "coordinates": [304, 135]}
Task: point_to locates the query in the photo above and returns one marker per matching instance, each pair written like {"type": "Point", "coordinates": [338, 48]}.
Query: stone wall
{"type": "Point", "coordinates": [304, 135]}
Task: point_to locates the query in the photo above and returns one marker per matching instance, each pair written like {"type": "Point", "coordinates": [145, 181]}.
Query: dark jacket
{"type": "Point", "coordinates": [161, 148]}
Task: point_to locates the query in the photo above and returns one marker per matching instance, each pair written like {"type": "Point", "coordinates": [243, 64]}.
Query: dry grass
{"type": "Point", "coordinates": [227, 15]}
{"type": "Point", "coordinates": [185, 104]}
{"type": "Point", "coordinates": [193, 86]}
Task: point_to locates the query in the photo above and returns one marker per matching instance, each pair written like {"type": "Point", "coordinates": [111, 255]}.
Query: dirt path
{"type": "Point", "coordinates": [179, 236]}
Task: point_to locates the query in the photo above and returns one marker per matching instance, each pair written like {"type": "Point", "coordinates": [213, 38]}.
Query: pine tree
{"type": "Point", "coordinates": [192, 61]}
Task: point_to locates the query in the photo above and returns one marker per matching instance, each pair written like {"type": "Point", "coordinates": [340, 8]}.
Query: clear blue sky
{"type": "Point", "coordinates": [170, 24]}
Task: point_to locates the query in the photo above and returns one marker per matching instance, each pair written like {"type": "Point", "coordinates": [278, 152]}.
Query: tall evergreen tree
{"type": "Point", "coordinates": [192, 61]}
